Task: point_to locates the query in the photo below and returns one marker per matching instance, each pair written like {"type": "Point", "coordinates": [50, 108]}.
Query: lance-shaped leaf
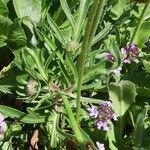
{"type": "Point", "coordinates": [122, 95]}
{"type": "Point", "coordinates": [21, 116]}
{"type": "Point", "coordinates": [67, 11]}
{"type": "Point", "coordinates": [56, 29]}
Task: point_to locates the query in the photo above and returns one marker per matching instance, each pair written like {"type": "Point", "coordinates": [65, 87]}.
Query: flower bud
{"type": "Point", "coordinates": [31, 87]}
{"type": "Point", "coordinates": [72, 46]}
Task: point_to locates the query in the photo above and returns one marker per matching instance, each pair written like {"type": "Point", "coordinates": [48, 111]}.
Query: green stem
{"type": "Point", "coordinates": [141, 19]}
{"type": "Point", "coordinates": [93, 21]}
{"type": "Point", "coordinates": [73, 122]}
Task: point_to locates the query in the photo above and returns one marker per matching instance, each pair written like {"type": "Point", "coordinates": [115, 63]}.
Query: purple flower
{"type": "Point", "coordinates": [93, 111]}
{"type": "Point", "coordinates": [103, 114]}
{"type": "Point", "coordinates": [102, 125]}
{"type": "Point", "coordinates": [106, 112]}
{"type": "Point", "coordinates": [100, 146]}
{"type": "Point", "coordinates": [1, 124]}
{"type": "Point", "coordinates": [130, 53]}
{"type": "Point", "coordinates": [110, 57]}
{"type": "Point", "coordinates": [106, 103]}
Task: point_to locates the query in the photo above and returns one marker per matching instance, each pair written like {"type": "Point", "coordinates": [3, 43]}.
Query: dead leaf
{"type": "Point", "coordinates": [34, 140]}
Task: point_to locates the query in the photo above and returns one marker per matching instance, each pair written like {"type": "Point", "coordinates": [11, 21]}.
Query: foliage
{"type": "Point", "coordinates": [61, 62]}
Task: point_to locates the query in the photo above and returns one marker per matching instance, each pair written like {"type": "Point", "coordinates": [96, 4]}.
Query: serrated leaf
{"type": "Point", "coordinates": [122, 95]}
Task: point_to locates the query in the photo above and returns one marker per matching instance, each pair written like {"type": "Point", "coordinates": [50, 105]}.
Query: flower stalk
{"type": "Point", "coordinates": [92, 24]}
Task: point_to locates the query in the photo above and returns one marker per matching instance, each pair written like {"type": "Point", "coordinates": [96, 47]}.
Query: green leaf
{"type": "Point", "coordinates": [122, 95]}
{"type": "Point", "coordinates": [97, 69]}
{"type": "Point", "coordinates": [139, 128]}
{"type": "Point", "coordinates": [83, 9]}
{"type": "Point", "coordinates": [72, 67]}
{"type": "Point", "coordinates": [28, 8]}
{"type": "Point", "coordinates": [3, 9]}
{"type": "Point", "coordinates": [111, 137]}
{"type": "Point", "coordinates": [67, 11]}
{"type": "Point", "coordinates": [118, 9]}
{"type": "Point", "coordinates": [143, 34]}
{"type": "Point", "coordinates": [6, 145]}
{"type": "Point", "coordinates": [30, 12]}
{"type": "Point", "coordinates": [21, 116]}
{"type": "Point", "coordinates": [5, 24]}
{"type": "Point", "coordinates": [141, 79]}
{"type": "Point", "coordinates": [87, 138]}
{"type": "Point", "coordinates": [102, 34]}
{"type": "Point", "coordinates": [146, 65]}
{"type": "Point", "coordinates": [143, 91]}
{"type": "Point", "coordinates": [46, 39]}
{"type": "Point", "coordinates": [5, 88]}
{"type": "Point", "coordinates": [12, 130]}
{"type": "Point", "coordinates": [73, 123]}
{"type": "Point", "coordinates": [116, 53]}
{"type": "Point", "coordinates": [52, 127]}
{"type": "Point", "coordinates": [3, 39]}
{"type": "Point", "coordinates": [56, 29]}
{"type": "Point", "coordinates": [16, 35]}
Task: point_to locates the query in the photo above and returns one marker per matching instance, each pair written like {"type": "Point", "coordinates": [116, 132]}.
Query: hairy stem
{"type": "Point", "coordinates": [93, 21]}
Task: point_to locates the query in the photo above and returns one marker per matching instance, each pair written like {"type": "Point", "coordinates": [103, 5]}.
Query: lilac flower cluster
{"type": "Point", "coordinates": [2, 122]}
{"type": "Point", "coordinates": [130, 53]}
{"type": "Point", "coordinates": [102, 114]}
